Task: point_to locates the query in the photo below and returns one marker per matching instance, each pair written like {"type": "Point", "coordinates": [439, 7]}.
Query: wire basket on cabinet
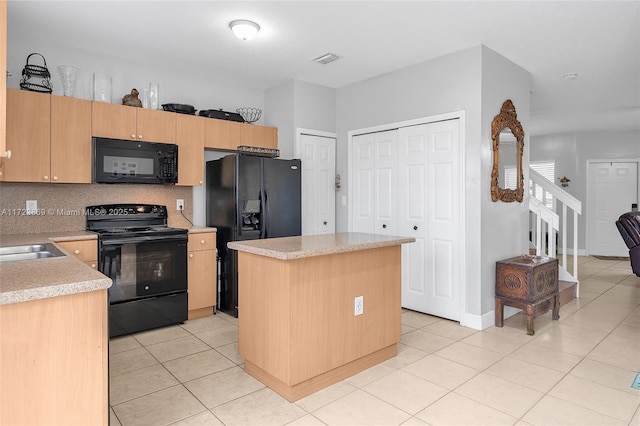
{"type": "Point", "coordinates": [250, 115]}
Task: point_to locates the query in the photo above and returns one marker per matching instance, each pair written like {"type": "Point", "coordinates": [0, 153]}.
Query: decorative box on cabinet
{"type": "Point", "coordinates": [202, 268]}
{"type": "Point", "coordinates": [527, 284]}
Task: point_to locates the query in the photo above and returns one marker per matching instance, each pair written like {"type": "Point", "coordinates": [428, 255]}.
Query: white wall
{"type": "Point", "coordinates": [177, 85]}
{"type": "Point", "coordinates": [571, 152]}
{"type": "Point", "coordinates": [298, 104]}
{"type": "Point", "coordinates": [504, 225]}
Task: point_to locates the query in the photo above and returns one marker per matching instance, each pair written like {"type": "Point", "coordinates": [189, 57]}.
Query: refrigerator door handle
{"type": "Point", "coordinates": [265, 214]}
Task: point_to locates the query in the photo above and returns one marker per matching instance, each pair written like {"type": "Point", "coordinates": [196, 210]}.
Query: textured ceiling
{"type": "Point", "coordinates": [598, 40]}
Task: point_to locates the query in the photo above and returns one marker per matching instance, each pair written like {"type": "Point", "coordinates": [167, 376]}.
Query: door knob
{"type": "Point", "coordinates": [384, 225]}
{"type": "Point", "coordinates": [415, 228]}
{"type": "Point", "coordinates": [324, 223]}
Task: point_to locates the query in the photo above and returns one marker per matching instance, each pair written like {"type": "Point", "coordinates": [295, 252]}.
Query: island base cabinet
{"type": "Point", "coordinates": [54, 361]}
{"type": "Point", "coordinates": [297, 327]}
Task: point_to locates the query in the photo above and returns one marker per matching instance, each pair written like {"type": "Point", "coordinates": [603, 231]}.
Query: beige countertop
{"type": "Point", "coordinates": [289, 248]}
{"type": "Point", "coordinates": [26, 280]}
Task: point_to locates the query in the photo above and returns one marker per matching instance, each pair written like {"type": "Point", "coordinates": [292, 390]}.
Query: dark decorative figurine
{"type": "Point", "coordinates": [132, 99]}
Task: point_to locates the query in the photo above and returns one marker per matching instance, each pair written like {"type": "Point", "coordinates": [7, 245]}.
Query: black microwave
{"type": "Point", "coordinates": [124, 161]}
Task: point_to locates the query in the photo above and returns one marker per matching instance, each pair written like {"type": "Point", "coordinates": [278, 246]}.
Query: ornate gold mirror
{"type": "Point", "coordinates": [508, 143]}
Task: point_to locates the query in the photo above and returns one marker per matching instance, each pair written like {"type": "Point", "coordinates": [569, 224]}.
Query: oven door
{"type": "Point", "coordinates": [143, 266]}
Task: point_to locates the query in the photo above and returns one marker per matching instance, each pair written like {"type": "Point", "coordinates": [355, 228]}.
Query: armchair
{"type": "Point", "coordinates": [629, 226]}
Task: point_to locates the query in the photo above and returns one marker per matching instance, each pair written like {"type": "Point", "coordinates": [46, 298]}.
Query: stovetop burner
{"type": "Point", "coordinates": [130, 219]}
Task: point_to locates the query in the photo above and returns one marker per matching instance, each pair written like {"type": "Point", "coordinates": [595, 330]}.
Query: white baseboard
{"type": "Point", "coordinates": [482, 322]}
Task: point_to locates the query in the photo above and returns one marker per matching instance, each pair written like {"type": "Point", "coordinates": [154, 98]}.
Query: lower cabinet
{"type": "Point", "coordinates": [202, 271]}
{"type": "Point", "coordinates": [53, 361]}
{"type": "Point", "coordinates": [85, 250]}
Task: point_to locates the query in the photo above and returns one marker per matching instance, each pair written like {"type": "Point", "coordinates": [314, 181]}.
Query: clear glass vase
{"type": "Point", "coordinates": [69, 76]}
{"type": "Point", "coordinates": [154, 96]}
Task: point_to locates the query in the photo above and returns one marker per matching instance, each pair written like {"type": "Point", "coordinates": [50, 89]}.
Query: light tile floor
{"type": "Point", "coordinates": [575, 371]}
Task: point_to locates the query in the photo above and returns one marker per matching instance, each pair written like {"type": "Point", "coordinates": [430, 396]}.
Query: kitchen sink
{"type": "Point", "coordinates": [29, 252]}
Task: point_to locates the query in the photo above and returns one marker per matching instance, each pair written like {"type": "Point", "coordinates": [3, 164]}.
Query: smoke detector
{"type": "Point", "coordinates": [326, 58]}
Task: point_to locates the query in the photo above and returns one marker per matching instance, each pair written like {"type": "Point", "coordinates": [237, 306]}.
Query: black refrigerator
{"type": "Point", "coordinates": [250, 197]}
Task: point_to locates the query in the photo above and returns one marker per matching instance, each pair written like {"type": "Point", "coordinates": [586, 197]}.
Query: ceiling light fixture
{"type": "Point", "coordinates": [244, 29]}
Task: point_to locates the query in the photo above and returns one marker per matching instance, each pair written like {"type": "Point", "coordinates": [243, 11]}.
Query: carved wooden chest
{"type": "Point", "coordinates": [527, 284]}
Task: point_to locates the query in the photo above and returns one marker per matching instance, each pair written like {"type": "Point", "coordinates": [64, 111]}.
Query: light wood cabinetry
{"type": "Point", "coordinates": [223, 134]}
{"type": "Point", "coordinates": [125, 122]}
{"type": "Point", "coordinates": [53, 361]}
{"type": "Point", "coordinates": [190, 135]}
{"type": "Point", "coordinates": [85, 250]}
{"type": "Point", "coordinates": [296, 324]}
{"type": "Point", "coordinates": [49, 138]}
{"type": "Point", "coordinates": [202, 269]}
{"type": "Point", "coordinates": [28, 137]}
{"type": "Point", "coordinates": [70, 140]}
{"type": "Point", "coordinates": [3, 80]}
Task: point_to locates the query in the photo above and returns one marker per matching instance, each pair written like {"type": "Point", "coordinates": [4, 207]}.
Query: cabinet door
{"type": "Point", "coordinates": [28, 130]}
{"type": "Point", "coordinates": [3, 82]}
{"type": "Point", "coordinates": [70, 140]}
{"type": "Point", "coordinates": [156, 126]}
{"type": "Point", "coordinates": [85, 250]}
{"type": "Point", "coordinates": [264, 137]}
{"type": "Point", "coordinates": [202, 279]}
{"type": "Point", "coordinates": [190, 134]}
{"type": "Point", "coordinates": [113, 121]}
{"type": "Point", "coordinates": [222, 134]}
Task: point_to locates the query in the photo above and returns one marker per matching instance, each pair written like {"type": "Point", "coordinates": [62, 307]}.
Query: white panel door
{"type": "Point", "coordinates": [375, 183]}
{"type": "Point", "coordinates": [613, 187]}
{"type": "Point", "coordinates": [386, 182]}
{"type": "Point", "coordinates": [430, 188]}
{"type": "Point", "coordinates": [363, 202]}
{"type": "Point", "coordinates": [317, 154]}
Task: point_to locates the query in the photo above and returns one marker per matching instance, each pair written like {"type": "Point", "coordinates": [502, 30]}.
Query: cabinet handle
{"type": "Point", "coordinates": [191, 255]}
{"type": "Point", "coordinates": [415, 228]}
{"type": "Point", "coordinates": [55, 178]}
{"type": "Point", "coordinates": [45, 177]}
{"type": "Point", "coordinates": [8, 154]}
{"type": "Point", "coordinates": [133, 135]}
{"type": "Point", "coordinates": [93, 265]}
{"type": "Point", "coordinates": [139, 136]}
{"type": "Point", "coordinates": [76, 251]}
{"type": "Point", "coordinates": [201, 241]}
{"type": "Point", "coordinates": [200, 182]}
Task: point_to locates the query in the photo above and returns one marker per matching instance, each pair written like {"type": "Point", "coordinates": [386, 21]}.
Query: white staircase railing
{"type": "Point", "coordinates": [548, 220]}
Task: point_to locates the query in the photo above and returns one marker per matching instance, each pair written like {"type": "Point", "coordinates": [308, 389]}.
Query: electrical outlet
{"type": "Point", "coordinates": [32, 206]}
{"type": "Point", "coordinates": [359, 305]}
{"type": "Point", "coordinates": [179, 205]}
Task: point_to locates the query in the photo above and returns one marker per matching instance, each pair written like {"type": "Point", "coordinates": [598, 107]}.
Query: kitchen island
{"type": "Point", "coordinates": [298, 298]}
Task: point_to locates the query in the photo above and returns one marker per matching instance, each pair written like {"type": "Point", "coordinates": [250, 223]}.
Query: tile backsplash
{"type": "Point", "coordinates": [61, 206]}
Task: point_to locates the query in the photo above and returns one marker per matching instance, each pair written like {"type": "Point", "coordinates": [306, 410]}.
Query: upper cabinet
{"type": "Point", "coordinates": [125, 122]}
{"type": "Point", "coordinates": [3, 80]}
{"type": "Point", "coordinates": [190, 134]}
{"type": "Point", "coordinates": [221, 134]}
{"type": "Point", "coordinates": [49, 138]}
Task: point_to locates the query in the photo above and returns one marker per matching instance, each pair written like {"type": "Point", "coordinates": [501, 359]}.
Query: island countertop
{"type": "Point", "coordinates": [289, 248]}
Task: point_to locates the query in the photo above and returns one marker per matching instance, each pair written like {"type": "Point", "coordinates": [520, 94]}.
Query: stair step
{"type": "Point", "coordinates": [567, 290]}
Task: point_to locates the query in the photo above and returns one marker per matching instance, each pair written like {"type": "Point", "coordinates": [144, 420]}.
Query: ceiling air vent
{"type": "Point", "coordinates": [326, 58]}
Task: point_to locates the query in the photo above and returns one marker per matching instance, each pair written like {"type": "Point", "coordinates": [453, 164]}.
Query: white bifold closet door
{"type": "Point", "coordinates": [407, 182]}
{"type": "Point", "coordinates": [430, 190]}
